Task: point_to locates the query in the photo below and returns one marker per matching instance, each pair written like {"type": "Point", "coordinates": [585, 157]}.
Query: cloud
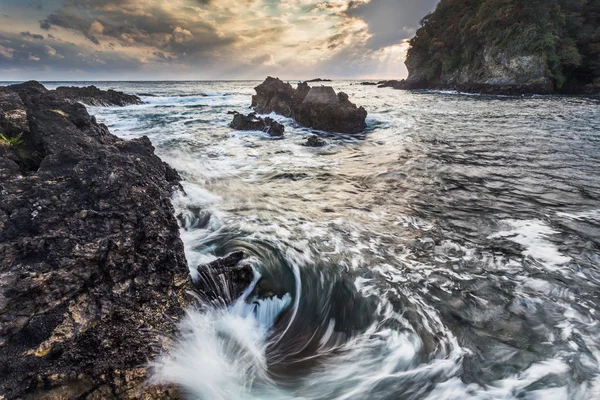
{"type": "Point", "coordinates": [26, 55]}
{"type": "Point", "coordinates": [218, 38]}
{"type": "Point", "coordinates": [33, 36]}
{"type": "Point", "coordinates": [390, 21]}
{"type": "Point", "coordinates": [6, 52]}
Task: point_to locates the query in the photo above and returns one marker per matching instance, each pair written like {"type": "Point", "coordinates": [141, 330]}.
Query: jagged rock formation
{"type": "Point", "coordinates": [321, 95]}
{"type": "Point", "coordinates": [92, 96]}
{"type": "Point", "coordinates": [92, 269]}
{"type": "Point", "coordinates": [318, 80]}
{"type": "Point", "coordinates": [321, 109]}
{"type": "Point", "coordinates": [315, 141]}
{"type": "Point", "coordinates": [224, 279]}
{"type": "Point", "coordinates": [252, 122]}
{"type": "Point", "coordinates": [507, 47]}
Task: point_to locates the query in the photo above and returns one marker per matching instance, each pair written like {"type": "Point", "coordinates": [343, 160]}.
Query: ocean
{"type": "Point", "coordinates": [452, 251]}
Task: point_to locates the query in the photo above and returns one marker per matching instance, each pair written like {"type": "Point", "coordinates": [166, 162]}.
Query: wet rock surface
{"type": "Point", "coordinates": [252, 122]}
{"type": "Point", "coordinates": [224, 279]}
{"type": "Point", "coordinates": [315, 141]}
{"type": "Point", "coordinates": [413, 83]}
{"type": "Point", "coordinates": [92, 269]}
{"type": "Point", "coordinates": [335, 114]}
{"type": "Point", "coordinates": [93, 96]}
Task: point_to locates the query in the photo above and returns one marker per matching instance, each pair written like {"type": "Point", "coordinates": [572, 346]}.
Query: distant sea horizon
{"type": "Point", "coordinates": [197, 80]}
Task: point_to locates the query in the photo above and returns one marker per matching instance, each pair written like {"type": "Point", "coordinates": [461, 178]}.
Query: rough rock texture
{"type": "Point", "coordinates": [321, 95]}
{"type": "Point", "coordinates": [273, 95]}
{"type": "Point", "coordinates": [368, 84]}
{"type": "Point", "coordinates": [224, 279]}
{"type": "Point", "coordinates": [497, 72]}
{"type": "Point", "coordinates": [93, 96]}
{"type": "Point", "coordinates": [252, 122]}
{"type": "Point", "coordinates": [507, 47]}
{"type": "Point", "coordinates": [92, 269]}
{"type": "Point", "coordinates": [341, 116]}
{"type": "Point", "coordinates": [315, 141]}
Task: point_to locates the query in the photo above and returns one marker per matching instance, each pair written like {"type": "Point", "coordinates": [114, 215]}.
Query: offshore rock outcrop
{"type": "Point", "coordinates": [252, 122]}
{"type": "Point", "coordinates": [315, 141]}
{"type": "Point", "coordinates": [318, 107]}
{"type": "Point", "coordinates": [92, 96]}
{"type": "Point", "coordinates": [92, 268]}
{"type": "Point", "coordinates": [317, 80]}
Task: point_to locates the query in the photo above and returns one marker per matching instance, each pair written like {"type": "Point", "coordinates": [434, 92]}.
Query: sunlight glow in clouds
{"type": "Point", "coordinates": [206, 39]}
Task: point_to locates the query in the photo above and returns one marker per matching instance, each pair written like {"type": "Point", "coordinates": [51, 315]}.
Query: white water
{"type": "Point", "coordinates": [470, 223]}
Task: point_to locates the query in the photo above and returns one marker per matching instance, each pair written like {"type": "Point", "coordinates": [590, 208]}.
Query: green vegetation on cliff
{"type": "Point", "coordinates": [563, 34]}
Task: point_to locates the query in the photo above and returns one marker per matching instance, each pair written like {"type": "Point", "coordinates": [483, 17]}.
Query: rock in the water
{"type": "Point", "coordinates": [93, 96]}
{"type": "Point", "coordinates": [318, 80]}
{"type": "Point", "coordinates": [92, 269]}
{"type": "Point", "coordinates": [317, 107]}
{"type": "Point", "coordinates": [252, 122]}
{"type": "Point", "coordinates": [274, 96]}
{"type": "Point", "coordinates": [224, 279]}
{"type": "Point", "coordinates": [90, 95]}
{"type": "Point", "coordinates": [315, 141]}
{"type": "Point", "coordinates": [368, 83]}
{"type": "Point", "coordinates": [338, 115]}
{"type": "Point", "coordinates": [321, 95]}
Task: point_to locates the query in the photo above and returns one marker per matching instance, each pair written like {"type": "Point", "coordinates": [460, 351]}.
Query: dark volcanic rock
{"type": "Point", "coordinates": [332, 116]}
{"type": "Point", "coordinates": [274, 96]}
{"type": "Point", "coordinates": [315, 141]}
{"type": "Point", "coordinates": [318, 80]}
{"type": "Point", "coordinates": [90, 95]}
{"type": "Point", "coordinates": [224, 279]}
{"type": "Point", "coordinates": [93, 96]}
{"type": "Point", "coordinates": [252, 122]}
{"type": "Point", "coordinates": [368, 83]}
{"type": "Point", "coordinates": [496, 89]}
{"type": "Point", "coordinates": [411, 84]}
{"type": "Point", "coordinates": [317, 107]}
{"type": "Point", "coordinates": [92, 269]}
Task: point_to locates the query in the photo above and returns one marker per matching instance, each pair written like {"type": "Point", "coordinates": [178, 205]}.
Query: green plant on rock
{"type": "Point", "coordinates": [15, 142]}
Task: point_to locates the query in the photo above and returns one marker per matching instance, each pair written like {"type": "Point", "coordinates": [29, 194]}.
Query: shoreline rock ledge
{"type": "Point", "coordinates": [317, 107]}
{"type": "Point", "coordinates": [93, 273]}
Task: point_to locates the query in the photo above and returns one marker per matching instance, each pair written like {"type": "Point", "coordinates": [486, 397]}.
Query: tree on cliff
{"type": "Point", "coordinates": [565, 34]}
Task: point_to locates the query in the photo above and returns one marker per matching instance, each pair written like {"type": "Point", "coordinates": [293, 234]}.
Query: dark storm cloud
{"type": "Point", "coordinates": [32, 35]}
{"type": "Point", "coordinates": [213, 38]}
{"type": "Point", "coordinates": [69, 19]}
{"type": "Point", "coordinates": [390, 21]}
{"type": "Point", "coordinates": [154, 27]}
{"type": "Point", "coordinates": [18, 52]}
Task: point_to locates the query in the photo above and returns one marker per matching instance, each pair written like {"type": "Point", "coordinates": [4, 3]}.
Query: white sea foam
{"type": "Point", "coordinates": [370, 229]}
{"type": "Point", "coordinates": [533, 236]}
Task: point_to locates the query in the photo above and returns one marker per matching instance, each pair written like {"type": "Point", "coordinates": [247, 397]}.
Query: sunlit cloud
{"type": "Point", "coordinates": [208, 39]}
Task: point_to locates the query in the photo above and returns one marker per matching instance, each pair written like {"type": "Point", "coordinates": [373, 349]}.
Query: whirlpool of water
{"type": "Point", "coordinates": [450, 252]}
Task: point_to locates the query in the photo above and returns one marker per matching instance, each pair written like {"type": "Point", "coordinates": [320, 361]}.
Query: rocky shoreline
{"type": "Point", "coordinates": [93, 273]}
{"type": "Point", "coordinates": [506, 48]}
{"type": "Point", "coordinates": [488, 89]}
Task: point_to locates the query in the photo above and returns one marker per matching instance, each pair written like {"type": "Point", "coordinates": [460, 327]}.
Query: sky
{"type": "Point", "coordinates": [206, 39]}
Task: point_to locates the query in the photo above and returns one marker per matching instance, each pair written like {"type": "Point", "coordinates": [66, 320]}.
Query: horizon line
{"type": "Point", "coordinates": [193, 80]}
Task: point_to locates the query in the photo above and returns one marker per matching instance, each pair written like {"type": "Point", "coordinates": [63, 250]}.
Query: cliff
{"type": "Point", "coordinates": [92, 268]}
{"type": "Point", "coordinates": [507, 46]}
